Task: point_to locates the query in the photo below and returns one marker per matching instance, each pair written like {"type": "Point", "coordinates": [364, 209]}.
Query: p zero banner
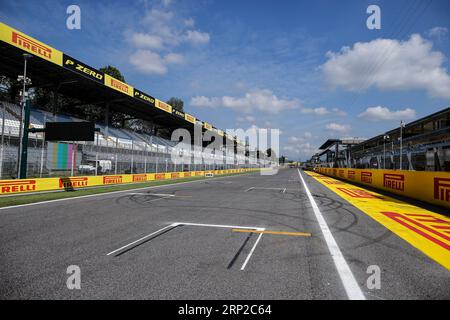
{"type": "Point", "coordinates": [190, 118]}
{"type": "Point", "coordinates": [428, 186]}
{"type": "Point", "coordinates": [163, 106]}
{"type": "Point", "coordinates": [30, 45]}
{"type": "Point", "coordinates": [144, 97]}
{"type": "Point", "coordinates": [83, 69]}
{"type": "Point", "coordinates": [177, 113]}
{"type": "Point", "coordinates": [119, 85]}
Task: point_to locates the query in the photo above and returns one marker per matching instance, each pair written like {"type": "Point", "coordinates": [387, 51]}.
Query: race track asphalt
{"type": "Point", "coordinates": [211, 260]}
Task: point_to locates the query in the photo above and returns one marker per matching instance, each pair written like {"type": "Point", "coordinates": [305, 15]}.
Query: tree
{"type": "Point", "coordinates": [176, 103]}
{"type": "Point", "coordinates": [113, 72]}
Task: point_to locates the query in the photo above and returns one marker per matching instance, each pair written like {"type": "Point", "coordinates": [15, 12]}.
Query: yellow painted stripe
{"type": "Point", "coordinates": [298, 234]}
{"type": "Point", "coordinates": [423, 229]}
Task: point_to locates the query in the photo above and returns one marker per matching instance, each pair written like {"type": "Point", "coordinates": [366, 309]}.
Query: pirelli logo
{"type": "Point", "coordinates": [16, 186]}
{"type": "Point", "coordinates": [190, 118]}
{"type": "Point", "coordinates": [31, 45]}
{"type": "Point", "coordinates": [366, 177]}
{"type": "Point", "coordinates": [68, 183]}
{"type": "Point", "coordinates": [427, 226]}
{"type": "Point", "coordinates": [175, 175]}
{"type": "Point", "coordinates": [163, 106]}
{"type": "Point", "coordinates": [358, 193]}
{"type": "Point", "coordinates": [342, 173]}
{"type": "Point", "coordinates": [187, 174]}
{"type": "Point", "coordinates": [394, 181]}
{"type": "Point", "coordinates": [112, 179]}
{"type": "Point", "coordinates": [442, 189]}
{"type": "Point", "coordinates": [207, 126]}
{"type": "Point", "coordinates": [139, 177]}
{"type": "Point", "coordinates": [198, 174]}
{"type": "Point", "coordinates": [118, 85]}
{"type": "Point", "coordinates": [351, 175]}
{"type": "Point", "coordinates": [160, 176]}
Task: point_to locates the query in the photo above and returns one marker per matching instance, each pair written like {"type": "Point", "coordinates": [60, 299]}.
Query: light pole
{"type": "Point", "coordinates": [385, 137]}
{"type": "Point", "coordinates": [26, 56]}
{"type": "Point", "coordinates": [402, 124]}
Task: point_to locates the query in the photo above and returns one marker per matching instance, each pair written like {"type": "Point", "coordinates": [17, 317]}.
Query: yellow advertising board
{"type": "Point", "coordinates": [207, 126]}
{"type": "Point", "coordinates": [118, 85]}
{"type": "Point", "coordinates": [26, 43]}
{"type": "Point", "coordinates": [422, 228]}
{"type": "Point", "coordinates": [190, 118]}
{"type": "Point", "coordinates": [18, 186]}
{"type": "Point", "coordinates": [429, 186]}
{"type": "Point", "coordinates": [163, 106]}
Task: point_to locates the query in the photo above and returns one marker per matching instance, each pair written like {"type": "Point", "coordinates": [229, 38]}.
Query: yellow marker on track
{"type": "Point", "coordinates": [425, 230]}
{"type": "Point", "coordinates": [284, 233]}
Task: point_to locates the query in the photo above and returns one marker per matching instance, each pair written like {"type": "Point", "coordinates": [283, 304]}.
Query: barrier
{"type": "Point", "coordinates": [431, 187]}
{"type": "Point", "coordinates": [67, 183]}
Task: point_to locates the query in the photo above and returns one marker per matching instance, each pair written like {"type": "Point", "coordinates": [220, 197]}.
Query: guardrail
{"type": "Point", "coordinates": [427, 186]}
{"type": "Point", "coordinates": [62, 183]}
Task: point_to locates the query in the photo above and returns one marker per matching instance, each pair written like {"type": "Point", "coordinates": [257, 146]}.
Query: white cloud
{"type": "Point", "coordinates": [197, 37]}
{"type": "Point", "coordinates": [249, 119]}
{"type": "Point", "coordinates": [304, 150]}
{"type": "Point", "coordinates": [162, 30]}
{"type": "Point", "coordinates": [189, 22]}
{"type": "Point", "coordinates": [150, 62]}
{"type": "Point", "coordinates": [389, 65]}
{"type": "Point", "coordinates": [262, 100]}
{"type": "Point", "coordinates": [380, 113]}
{"type": "Point", "coordinates": [316, 111]}
{"type": "Point", "coordinates": [338, 128]}
{"type": "Point", "coordinates": [438, 32]}
{"type": "Point", "coordinates": [174, 58]}
{"type": "Point", "coordinates": [322, 111]}
{"type": "Point", "coordinates": [142, 40]}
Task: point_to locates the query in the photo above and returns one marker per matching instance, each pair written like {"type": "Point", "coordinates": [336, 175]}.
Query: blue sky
{"type": "Point", "coordinates": [310, 68]}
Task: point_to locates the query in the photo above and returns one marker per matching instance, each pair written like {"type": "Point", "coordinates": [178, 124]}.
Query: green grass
{"type": "Point", "coordinates": [25, 199]}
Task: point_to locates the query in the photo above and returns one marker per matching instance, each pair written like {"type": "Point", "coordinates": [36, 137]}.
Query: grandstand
{"type": "Point", "coordinates": [127, 151]}
{"type": "Point", "coordinates": [115, 150]}
{"type": "Point", "coordinates": [425, 147]}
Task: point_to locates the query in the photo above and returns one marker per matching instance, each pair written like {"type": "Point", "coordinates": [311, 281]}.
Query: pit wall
{"type": "Point", "coordinates": [427, 186]}
{"type": "Point", "coordinates": [67, 183]}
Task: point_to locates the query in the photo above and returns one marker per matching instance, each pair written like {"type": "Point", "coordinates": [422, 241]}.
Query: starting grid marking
{"type": "Point", "coordinates": [242, 229]}
{"type": "Point", "coordinates": [425, 230]}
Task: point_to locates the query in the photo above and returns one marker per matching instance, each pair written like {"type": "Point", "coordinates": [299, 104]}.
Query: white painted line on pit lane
{"type": "Point", "coordinates": [348, 280]}
{"type": "Point", "coordinates": [151, 194]}
{"type": "Point", "coordinates": [216, 226]}
{"type": "Point", "coordinates": [143, 238]}
{"type": "Point", "coordinates": [251, 252]}
{"type": "Point", "coordinates": [116, 192]}
{"type": "Point", "coordinates": [249, 189]}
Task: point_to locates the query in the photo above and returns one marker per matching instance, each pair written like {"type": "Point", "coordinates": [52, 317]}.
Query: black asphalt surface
{"type": "Point", "coordinates": [39, 242]}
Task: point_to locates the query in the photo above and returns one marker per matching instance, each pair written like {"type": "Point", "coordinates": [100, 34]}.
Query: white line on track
{"type": "Point", "coordinates": [251, 252]}
{"type": "Point", "coordinates": [217, 226]}
{"type": "Point", "coordinates": [116, 192]}
{"type": "Point", "coordinates": [348, 280]}
{"type": "Point", "coordinates": [249, 189]}
{"type": "Point", "coordinates": [141, 239]}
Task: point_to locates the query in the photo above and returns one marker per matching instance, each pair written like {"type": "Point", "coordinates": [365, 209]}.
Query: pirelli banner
{"type": "Point", "coordinates": [29, 44]}
{"type": "Point", "coordinates": [427, 186]}
{"type": "Point", "coordinates": [82, 69]}
{"type": "Point", "coordinates": [163, 106]}
{"type": "Point", "coordinates": [51, 184]}
{"type": "Point", "coordinates": [118, 85]}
